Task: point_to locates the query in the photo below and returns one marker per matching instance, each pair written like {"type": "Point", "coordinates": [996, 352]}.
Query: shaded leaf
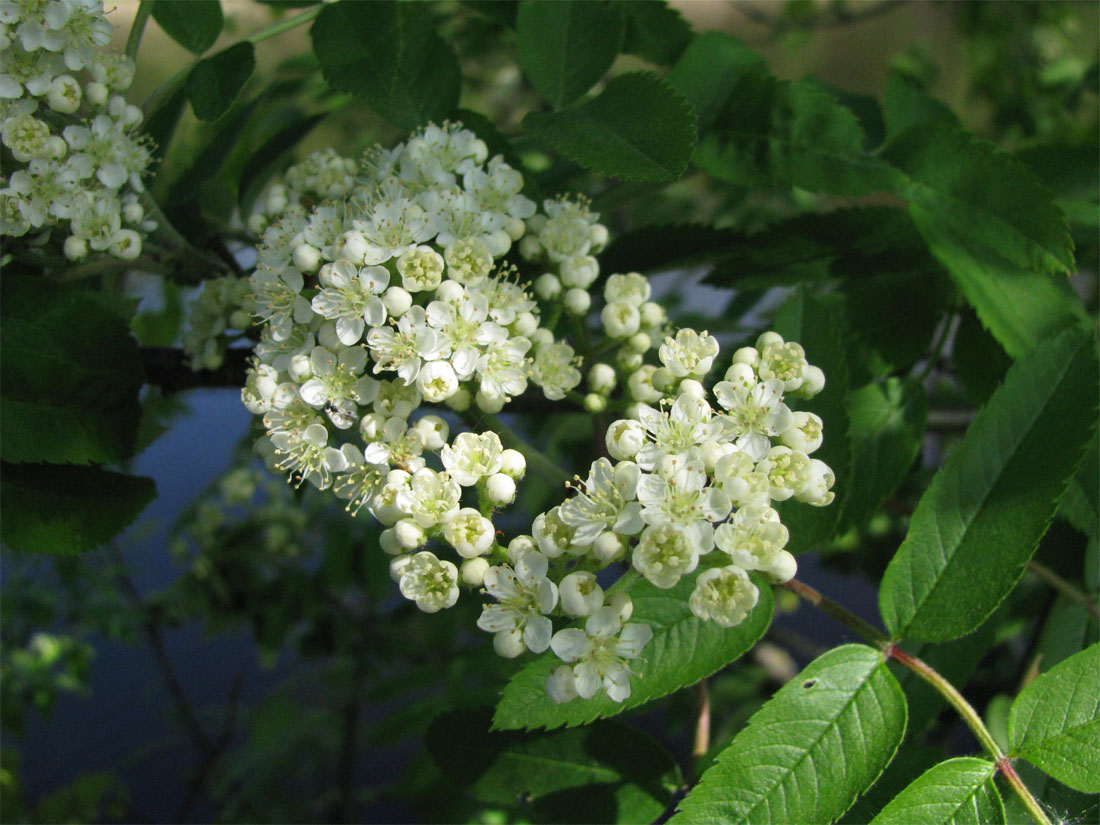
{"type": "Point", "coordinates": [708, 70]}
{"type": "Point", "coordinates": [72, 373]}
{"type": "Point", "coordinates": [638, 128]}
{"type": "Point", "coordinates": [195, 25]}
{"type": "Point", "coordinates": [885, 429]}
{"type": "Point", "coordinates": [654, 30]}
{"type": "Point", "coordinates": [617, 767]}
{"type": "Point", "coordinates": [956, 792]}
{"type": "Point", "coordinates": [389, 54]}
{"type": "Point", "coordinates": [684, 649]}
{"type": "Point", "coordinates": [806, 755]}
{"type": "Point", "coordinates": [214, 84]}
{"type": "Point", "coordinates": [566, 46]}
{"type": "Point", "coordinates": [980, 520]}
{"type": "Point", "coordinates": [270, 157]}
{"type": "Point", "coordinates": [1055, 721]}
{"type": "Point", "coordinates": [52, 508]}
{"type": "Point", "coordinates": [905, 105]}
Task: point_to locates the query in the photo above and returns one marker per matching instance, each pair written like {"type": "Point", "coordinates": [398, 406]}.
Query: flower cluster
{"type": "Point", "coordinates": [381, 289]}
{"type": "Point", "coordinates": [76, 155]}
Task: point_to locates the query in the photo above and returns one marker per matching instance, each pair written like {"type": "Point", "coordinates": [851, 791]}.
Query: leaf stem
{"type": "Point", "coordinates": [842, 614]}
{"type": "Point", "coordinates": [285, 25]}
{"type": "Point", "coordinates": [930, 675]}
{"type": "Point", "coordinates": [141, 17]}
{"type": "Point", "coordinates": [1065, 587]}
{"type": "Point", "coordinates": [702, 720]}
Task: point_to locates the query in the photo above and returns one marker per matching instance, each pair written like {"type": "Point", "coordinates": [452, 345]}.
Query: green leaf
{"type": "Point", "coordinates": [566, 46]}
{"type": "Point", "coordinates": [773, 132]}
{"type": "Point", "coordinates": [806, 755]}
{"type": "Point", "coordinates": [1081, 504]}
{"type": "Point", "coordinates": [654, 30]}
{"type": "Point", "coordinates": [208, 162]}
{"type": "Point", "coordinates": [624, 774]}
{"type": "Point", "coordinates": [214, 84]}
{"type": "Point", "coordinates": [908, 763]}
{"type": "Point", "coordinates": [684, 650]}
{"type": "Point", "coordinates": [389, 54]}
{"type": "Point", "coordinates": [72, 373]}
{"type": "Point", "coordinates": [885, 428]}
{"type": "Point", "coordinates": [979, 361]}
{"type": "Point", "coordinates": [980, 520]}
{"type": "Point", "coordinates": [991, 204]}
{"type": "Point", "coordinates": [906, 105]}
{"type": "Point", "coordinates": [817, 323]}
{"type": "Point", "coordinates": [708, 70]}
{"type": "Point", "coordinates": [1055, 722]}
{"type": "Point", "coordinates": [1068, 629]}
{"type": "Point", "coordinates": [195, 25]}
{"type": "Point", "coordinates": [956, 792]}
{"type": "Point", "coordinates": [638, 128]}
{"type": "Point", "coordinates": [61, 509]}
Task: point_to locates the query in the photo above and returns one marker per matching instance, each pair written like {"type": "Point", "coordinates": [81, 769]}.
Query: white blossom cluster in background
{"type": "Point", "coordinates": [77, 157]}
{"type": "Point", "coordinates": [380, 289]}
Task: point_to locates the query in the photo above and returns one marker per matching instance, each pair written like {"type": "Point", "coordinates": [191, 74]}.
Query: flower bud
{"type": "Point", "coordinates": [64, 94]}
{"type": "Point", "coordinates": [620, 600]}
{"type": "Point", "coordinates": [624, 438]}
{"type": "Point", "coordinates": [409, 534]}
{"type": "Point", "coordinates": [96, 93]}
{"type": "Point", "coordinates": [741, 374]}
{"type": "Point", "coordinates": [460, 401]}
{"type": "Point", "coordinates": [783, 569]}
{"type": "Point", "coordinates": [509, 643]}
{"type": "Point", "coordinates": [75, 248]}
{"type": "Point", "coordinates": [595, 403]}
{"type": "Point", "coordinates": [501, 489]}
{"type": "Point", "coordinates": [525, 324]}
{"type": "Point", "coordinates": [489, 405]}
{"type": "Point", "coordinates": [387, 540]}
{"type": "Point", "coordinates": [601, 378]}
{"type": "Point", "coordinates": [653, 315]}
{"type": "Point", "coordinates": [397, 301]}
{"type": "Point", "coordinates": [519, 547]}
{"type": "Point", "coordinates": [306, 258]}
{"type": "Point", "coordinates": [693, 388]}
{"type": "Point", "coordinates": [472, 571]}
{"type": "Point", "coordinates": [577, 301]}
{"type": "Point", "coordinates": [580, 594]}
{"type": "Point", "coordinates": [547, 286]}
{"type": "Point", "coordinates": [608, 547]}
{"type": "Point", "coordinates": [580, 271]}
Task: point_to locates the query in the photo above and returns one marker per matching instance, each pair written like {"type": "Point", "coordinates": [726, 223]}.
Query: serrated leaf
{"type": "Point", "coordinates": [59, 508]}
{"type": "Point", "coordinates": [815, 746]}
{"type": "Point", "coordinates": [1067, 629]}
{"type": "Point", "coordinates": [956, 792]}
{"type": "Point", "coordinates": [994, 204]}
{"type": "Point", "coordinates": [195, 25]}
{"type": "Point", "coordinates": [773, 132]}
{"type": "Point", "coordinates": [1081, 504]}
{"type": "Point", "coordinates": [566, 46]}
{"type": "Point", "coordinates": [817, 323]}
{"type": "Point", "coordinates": [708, 70]}
{"type": "Point", "coordinates": [667, 246]}
{"type": "Point", "coordinates": [981, 518]}
{"type": "Point", "coordinates": [638, 128]}
{"type": "Point", "coordinates": [885, 429]}
{"type": "Point", "coordinates": [389, 54]}
{"type": "Point", "coordinates": [654, 30]}
{"type": "Point", "coordinates": [684, 649]}
{"type": "Point", "coordinates": [621, 770]}
{"type": "Point", "coordinates": [267, 160]}
{"type": "Point", "coordinates": [215, 82]}
{"type": "Point", "coordinates": [1055, 721]}
{"type": "Point", "coordinates": [908, 763]}
{"type": "Point", "coordinates": [905, 105]}
{"type": "Point", "coordinates": [71, 376]}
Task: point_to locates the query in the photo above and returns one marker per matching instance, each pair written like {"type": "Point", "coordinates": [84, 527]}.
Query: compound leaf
{"type": "Point", "coordinates": [806, 755]}
{"type": "Point", "coordinates": [980, 520]}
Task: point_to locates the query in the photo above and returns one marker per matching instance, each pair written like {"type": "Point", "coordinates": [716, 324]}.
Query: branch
{"type": "Point", "coordinates": [167, 368]}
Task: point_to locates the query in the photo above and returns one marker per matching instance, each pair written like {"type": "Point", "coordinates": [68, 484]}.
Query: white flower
{"type": "Point", "coordinates": [632, 288]}
{"type": "Point", "coordinates": [783, 361]}
{"type": "Point", "coordinates": [430, 498]}
{"type": "Point", "coordinates": [349, 295]}
{"type": "Point", "coordinates": [607, 502]}
{"type": "Point", "coordinates": [464, 329]}
{"type": "Point", "coordinates": [684, 501]}
{"type": "Point", "coordinates": [437, 381]}
{"type": "Point", "coordinates": [756, 414]}
{"type": "Point", "coordinates": [788, 472]}
{"type": "Point", "coordinates": [398, 445]}
{"type": "Point", "coordinates": [581, 595]}
{"type": "Point", "coordinates": [553, 535]}
{"type": "Point", "coordinates": [739, 478]}
{"type": "Point", "coordinates": [724, 595]}
{"type": "Point", "coordinates": [665, 554]}
{"type": "Point", "coordinates": [421, 269]}
{"type": "Point", "coordinates": [624, 438]}
{"type": "Point", "coordinates": [524, 599]}
{"type": "Point", "coordinates": [503, 369]}
{"type": "Point", "coordinates": [469, 532]}
{"type": "Point", "coordinates": [686, 425]}
{"type": "Point", "coordinates": [472, 457]}
{"type": "Point", "coordinates": [818, 488]}
{"type": "Point", "coordinates": [805, 433]}
{"type": "Point", "coordinates": [403, 349]}
{"type": "Point", "coordinates": [468, 261]}
{"type": "Point", "coordinates": [278, 302]}
{"type": "Point", "coordinates": [431, 583]}
{"type": "Point", "coordinates": [620, 319]}
{"type": "Point", "coordinates": [689, 354]}
{"type": "Point", "coordinates": [555, 370]}
{"type": "Point", "coordinates": [601, 652]}
{"type": "Point", "coordinates": [753, 538]}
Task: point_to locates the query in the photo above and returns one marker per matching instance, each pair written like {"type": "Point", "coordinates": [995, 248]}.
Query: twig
{"type": "Point", "coordinates": [1063, 586]}
{"type": "Point", "coordinates": [702, 720]}
{"type": "Point", "coordinates": [141, 17]}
